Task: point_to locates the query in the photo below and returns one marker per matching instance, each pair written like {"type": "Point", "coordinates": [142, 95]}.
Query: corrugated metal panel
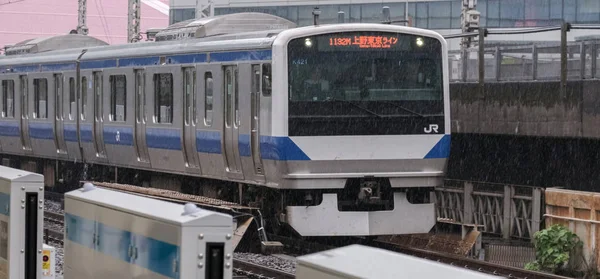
{"type": "Point", "coordinates": [509, 255]}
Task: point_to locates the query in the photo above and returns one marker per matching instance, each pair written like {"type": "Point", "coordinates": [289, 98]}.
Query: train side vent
{"type": "Point", "coordinates": [60, 42]}
{"type": "Point", "coordinates": [223, 25]}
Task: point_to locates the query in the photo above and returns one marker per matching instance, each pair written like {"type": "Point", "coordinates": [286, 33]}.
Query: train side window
{"type": "Point", "coordinates": [40, 97]}
{"type": "Point", "coordinates": [84, 87]}
{"type": "Point", "coordinates": [118, 98]}
{"type": "Point", "coordinates": [266, 80]}
{"type": "Point", "coordinates": [8, 99]}
{"type": "Point", "coordinates": [163, 98]}
{"type": "Point", "coordinates": [208, 98]}
{"type": "Point", "coordinates": [72, 102]}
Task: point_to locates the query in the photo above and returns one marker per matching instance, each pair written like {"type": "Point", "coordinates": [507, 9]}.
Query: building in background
{"type": "Point", "coordinates": [439, 15]}
{"type": "Point", "coordinates": [21, 20]}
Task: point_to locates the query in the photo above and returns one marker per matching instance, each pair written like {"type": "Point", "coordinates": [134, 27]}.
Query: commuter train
{"type": "Point", "coordinates": [333, 130]}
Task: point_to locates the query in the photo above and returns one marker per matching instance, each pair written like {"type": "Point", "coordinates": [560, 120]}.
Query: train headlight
{"type": "Point", "coordinates": [420, 42]}
{"type": "Point", "coordinates": [308, 42]}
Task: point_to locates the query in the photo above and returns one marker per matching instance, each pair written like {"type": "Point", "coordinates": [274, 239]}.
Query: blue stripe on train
{"type": "Point", "coordinates": [118, 135]}
{"type": "Point", "coordinates": [9, 129]}
{"type": "Point", "coordinates": [208, 142]}
{"type": "Point", "coordinates": [440, 149]}
{"type": "Point", "coordinates": [169, 139]}
{"type": "Point", "coordinates": [152, 254]}
{"type": "Point", "coordinates": [41, 130]}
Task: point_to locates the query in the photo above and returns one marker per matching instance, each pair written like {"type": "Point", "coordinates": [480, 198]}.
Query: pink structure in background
{"type": "Point", "coordinates": [21, 20]}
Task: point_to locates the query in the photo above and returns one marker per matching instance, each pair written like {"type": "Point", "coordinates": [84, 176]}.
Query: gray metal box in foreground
{"type": "Point", "coordinates": [111, 234]}
{"type": "Point", "coordinates": [21, 223]}
{"type": "Point", "coordinates": [357, 261]}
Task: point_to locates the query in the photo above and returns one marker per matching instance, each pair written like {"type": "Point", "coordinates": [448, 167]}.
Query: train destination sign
{"type": "Point", "coordinates": [363, 41]}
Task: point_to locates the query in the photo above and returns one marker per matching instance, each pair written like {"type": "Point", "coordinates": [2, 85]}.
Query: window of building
{"type": "Point", "coordinates": [118, 98]}
{"type": "Point", "coordinates": [208, 98]}
{"type": "Point", "coordinates": [588, 11]}
{"type": "Point", "coordinates": [40, 98]}
{"type": "Point", "coordinates": [440, 15]}
{"type": "Point", "coordinates": [8, 99]}
{"type": "Point", "coordinates": [163, 98]}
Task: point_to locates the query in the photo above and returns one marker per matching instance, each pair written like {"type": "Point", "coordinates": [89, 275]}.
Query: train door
{"type": "Point", "coordinates": [98, 116]}
{"type": "Point", "coordinates": [190, 118]}
{"type": "Point", "coordinates": [231, 114]}
{"type": "Point", "coordinates": [255, 121]}
{"type": "Point", "coordinates": [25, 140]}
{"type": "Point", "coordinates": [140, 118]}
{"type": "Point", "coordinates": [59, 135]}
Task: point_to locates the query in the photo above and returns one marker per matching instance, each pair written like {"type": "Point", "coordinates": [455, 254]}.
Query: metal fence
{"type": "Point", "coordinates": [497, 61]}
{"type": "Point", "coordinates": [510, 211]}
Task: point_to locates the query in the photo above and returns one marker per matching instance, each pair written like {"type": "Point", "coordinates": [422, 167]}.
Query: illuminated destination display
{"type": "Point", "coordinates": [363, 41]}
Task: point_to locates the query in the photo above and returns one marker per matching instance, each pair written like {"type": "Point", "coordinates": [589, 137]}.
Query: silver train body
{"type": "Point", "coordinates": [233, 107]}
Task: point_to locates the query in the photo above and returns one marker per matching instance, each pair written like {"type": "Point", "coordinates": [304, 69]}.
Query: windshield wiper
{"type": "Point", "coordinates": [405, 109]}
{"type": "Point", "coordinates": [362, 108]}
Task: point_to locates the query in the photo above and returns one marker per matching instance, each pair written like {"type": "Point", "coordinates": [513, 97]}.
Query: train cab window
{"type": "Point", "coordinates": [84, 87]}
{"type": "Point", "coordinates": [72, 102]}
{"type": "Point", "coordinates": [208, 98]}
{"type": "Point", "coordinates": [118, 98]}
{"type": "Point", "coordinates": [8, 99]}
{"type": "Point", "coordinates": [266, 80]}
{"type": "Point", "coordinates": [40, 97]}
{"type": "Point", "coordinates": [163, 98]}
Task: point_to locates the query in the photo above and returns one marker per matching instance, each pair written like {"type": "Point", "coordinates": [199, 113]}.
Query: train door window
{"type": "Point", "coordinates": [141, 109]}
{"type": "Point", "coordinates": [266, 80]}
{"type": "Point", "coordinates": [228, 93]}
{"type": "Point", "coordinates": [58, 93]}
{"type": "Point", "coordinates": [190, 97]}
{"type": "Point", "coordinates": [84, 87]}
{"type": "Point", "coordinates": [8, 99]}
{"type": "Point", "coordinates": [208, 98]}
{"type": "Point", "coordinates": [194, 104]}
{"type": "Point", "coordinates": [118, 98]}
{"type": "Point", "coordinates": [236, 98]}
{"type": "Point", "coordinates": [72, 102]}
{"type": "Point", "coordinates": [163, 98]}
{"type": "Point", "coordinates": [40, 98]}
{"type": "Point", "coordinates": [24, 95]}
{"type": "Point", "coordinates": [98, 113]}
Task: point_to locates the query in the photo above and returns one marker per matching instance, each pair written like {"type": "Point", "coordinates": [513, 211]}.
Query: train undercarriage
{"type": "Point", "coordinates": [366, 206]}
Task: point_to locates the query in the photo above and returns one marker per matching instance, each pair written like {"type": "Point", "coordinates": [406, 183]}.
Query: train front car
{"type": "Point", "coordinates": [366, 110]}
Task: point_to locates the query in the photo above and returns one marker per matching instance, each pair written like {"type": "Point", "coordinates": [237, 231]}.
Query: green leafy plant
{"type": "Point", "coordinates": [553, 248]}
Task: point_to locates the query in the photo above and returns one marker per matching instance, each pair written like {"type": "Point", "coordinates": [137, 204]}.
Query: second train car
{"type": "Point", "coordinates": [335, 130]}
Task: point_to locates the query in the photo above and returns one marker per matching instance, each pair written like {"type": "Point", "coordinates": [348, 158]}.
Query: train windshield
{"type": "Point", "coordinates": [365, 83]}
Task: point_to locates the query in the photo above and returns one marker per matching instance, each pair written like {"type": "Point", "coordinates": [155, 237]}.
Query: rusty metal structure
{"type": "Point", "coordinates": [578, 211]}
{"type": "Point", "coordinates": [510, 211]}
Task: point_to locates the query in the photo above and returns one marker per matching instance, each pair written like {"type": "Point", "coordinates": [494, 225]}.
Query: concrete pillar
{"type": "Point", "coordinates": [467, 217]}
{"type": "Point", "coordinates": [506, 217]}
{"type": "Point", "coordinates": [536, 210]}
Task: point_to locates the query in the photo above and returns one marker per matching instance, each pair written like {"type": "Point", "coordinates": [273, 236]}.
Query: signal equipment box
{"type": "Point", "coordinates": [21, 223]}
{"type": "Point", "coordinates": [357, 261]}
{"type": "Point", "coordinates": [111, 234]}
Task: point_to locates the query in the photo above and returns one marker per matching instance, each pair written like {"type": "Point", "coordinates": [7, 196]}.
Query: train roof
{"type": "Point", "coordinates": [250, 31]}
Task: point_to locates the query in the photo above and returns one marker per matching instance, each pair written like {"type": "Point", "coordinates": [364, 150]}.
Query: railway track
{"type": "Point", "coordinates": [300, 247]}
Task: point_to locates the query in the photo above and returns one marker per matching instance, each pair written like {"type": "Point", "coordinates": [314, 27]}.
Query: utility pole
{"type": "Point", "coordinates": [469, 21]}
{"type": "Point", "coordinates": [204, 8]}
{"type": "Point", "coordinates": [133, 23]}
{"type": "Point", "coordinates": [82, 18]}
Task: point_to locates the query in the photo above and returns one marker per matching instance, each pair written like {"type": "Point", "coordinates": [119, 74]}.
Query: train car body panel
{"type": "Point", "coordinates": [237, 107]}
